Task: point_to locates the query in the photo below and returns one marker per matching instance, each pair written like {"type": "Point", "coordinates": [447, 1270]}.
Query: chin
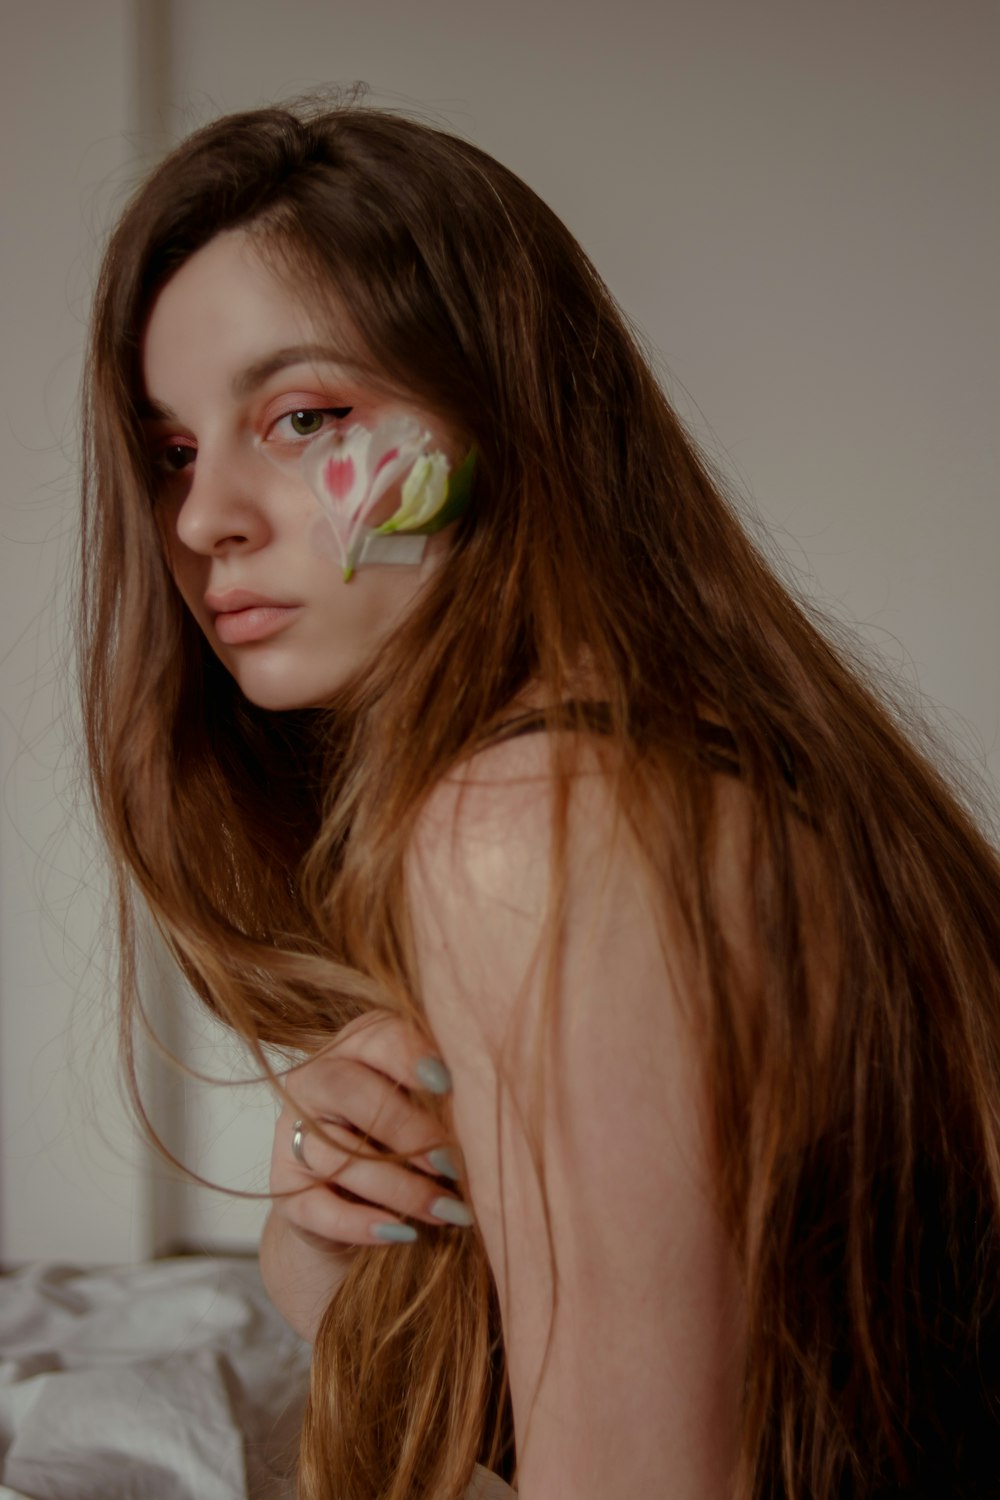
{"type": "Point", "coordinates": [279, 674]}
{"type": "Point", "coordinates": [284, 692]}
{"type": "Point", "coordinates": [278, 701]}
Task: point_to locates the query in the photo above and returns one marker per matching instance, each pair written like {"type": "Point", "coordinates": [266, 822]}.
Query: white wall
{"type": "Point", "coordinates": [792, 200]}
{"type": "Point", "coordinates": [79, 90]}
{"type": "Point", "coordinates": [66, 1190]}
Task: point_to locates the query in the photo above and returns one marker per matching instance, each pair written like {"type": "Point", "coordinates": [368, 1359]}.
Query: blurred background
{"type": "Point", "coordinates": [796, 205]}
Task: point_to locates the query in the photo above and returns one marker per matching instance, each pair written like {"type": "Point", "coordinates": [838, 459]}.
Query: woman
{"type": "Point", "coordinates": [437, 702]}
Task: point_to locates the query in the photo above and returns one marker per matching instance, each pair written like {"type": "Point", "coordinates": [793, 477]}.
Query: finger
{"type": "Point", "coordinates": [442, 1161]}
{"type": "Point", "coordinates": [344, 1090]}
{"type": "Point", "coordinates": [404, 1193]}
{"type": "Point", "coordinates": [396, 1048]}
{"type": "Point", "coordinates": [327, 1213]}
{"type": "Point", "coordinates": [350, 1160]}
{"type": "Point", "coordinates": [360, 1170]}
{"type": "Point", "coordinates": [336, 1222]}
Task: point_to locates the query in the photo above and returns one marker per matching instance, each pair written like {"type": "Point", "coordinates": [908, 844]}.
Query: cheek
{"type": "Point", "coordinates": [187, 569]}
{"type": "Point", "coordinates": [165, 518]}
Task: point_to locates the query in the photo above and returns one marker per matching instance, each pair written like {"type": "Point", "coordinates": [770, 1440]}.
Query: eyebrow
{"type": "Point", "coordinates": [250, 379]}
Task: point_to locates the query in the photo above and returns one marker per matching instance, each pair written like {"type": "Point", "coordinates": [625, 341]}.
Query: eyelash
{"type": "Point", "coordinates": [167, 470]}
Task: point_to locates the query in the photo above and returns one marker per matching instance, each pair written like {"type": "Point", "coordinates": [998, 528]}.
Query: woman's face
{"type": "Point", "coordinates": [238, 381]}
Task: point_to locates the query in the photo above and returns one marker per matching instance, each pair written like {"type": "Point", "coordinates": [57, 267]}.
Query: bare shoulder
{"type": "Point", "coordinates": [480, 861]}
{"type": "Point", "coordinates": [504, 790]}
{"type": "Point", "coordinates": [494, 817]}
{"type": "Point", "coordinates": [482, 851]}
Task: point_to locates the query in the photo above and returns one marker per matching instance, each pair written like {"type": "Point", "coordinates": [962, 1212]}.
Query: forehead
{"type": "Point", "coordinates": [226, 287]}
{"type": "Point", "coordinates": [226, 311]}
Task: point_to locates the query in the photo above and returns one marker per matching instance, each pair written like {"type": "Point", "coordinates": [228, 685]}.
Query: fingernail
{"type": "Point", "coordinates": [433, 1074]}
{"type": "Point", "coordinates": [451, 1211]}
{"type": "Point", "coordinates": [395, 1234]}
{"type": "Point", "coordinates": [442, 1160]}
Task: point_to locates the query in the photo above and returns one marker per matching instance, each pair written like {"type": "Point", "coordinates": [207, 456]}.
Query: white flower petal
{"type": "Point", "coordinates": [350, 471]}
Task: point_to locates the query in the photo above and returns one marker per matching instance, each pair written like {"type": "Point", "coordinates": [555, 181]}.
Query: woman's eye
{"type": "Point", "coordinates": [309, 421]}
{"type": "Point", "coordinates": [174, 457]}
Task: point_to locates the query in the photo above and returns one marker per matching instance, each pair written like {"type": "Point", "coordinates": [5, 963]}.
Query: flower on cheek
{"type": "Point", "coordinates": [351, 473]}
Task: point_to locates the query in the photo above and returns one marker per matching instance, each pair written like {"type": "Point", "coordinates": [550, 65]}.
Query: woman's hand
{"type": "Point", "coordinates": [364, 1088]}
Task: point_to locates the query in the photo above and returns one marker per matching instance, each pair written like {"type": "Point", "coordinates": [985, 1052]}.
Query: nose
{"type": "Point", "coordinates": [224, 507]}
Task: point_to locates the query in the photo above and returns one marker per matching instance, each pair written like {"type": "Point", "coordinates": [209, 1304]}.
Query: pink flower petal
{"type": "Point", "coordinates": [387, 458]}
{"type": "Point", "coordinates": [338, 477]}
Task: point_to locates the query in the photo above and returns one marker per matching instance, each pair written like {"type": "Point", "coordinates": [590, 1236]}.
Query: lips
{"type": "Point", "coordinates": [240, 616]}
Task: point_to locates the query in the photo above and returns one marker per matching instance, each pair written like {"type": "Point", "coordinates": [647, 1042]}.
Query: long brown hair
{"type": "Point", "coordinates": [854, 1077]}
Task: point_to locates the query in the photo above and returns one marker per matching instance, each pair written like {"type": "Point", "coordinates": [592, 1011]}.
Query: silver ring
{"type": "Point", "coordinates": [298, 1136]}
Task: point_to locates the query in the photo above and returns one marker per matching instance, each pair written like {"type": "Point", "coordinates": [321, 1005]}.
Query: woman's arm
{"type": "Point", "coordinates": [641, 1390]}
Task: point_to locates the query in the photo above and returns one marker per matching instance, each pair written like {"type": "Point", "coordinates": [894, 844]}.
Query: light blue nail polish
{"type": "Point", "coordinates": [451, 1211]}
{"type": "Point", "coordinates": [432, 1073]}
{"type": "Point", "coordinates": [395, 1234]}
{"type": "Point", "coordinates": [444, 1162]}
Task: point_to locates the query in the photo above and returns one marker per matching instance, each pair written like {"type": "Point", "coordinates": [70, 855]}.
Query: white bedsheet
{"type": "Point", "coordinates": [174, 1380]}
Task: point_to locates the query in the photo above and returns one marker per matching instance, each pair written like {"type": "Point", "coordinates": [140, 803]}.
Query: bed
{"type": "Point", "coordinates": [171, 1380]}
